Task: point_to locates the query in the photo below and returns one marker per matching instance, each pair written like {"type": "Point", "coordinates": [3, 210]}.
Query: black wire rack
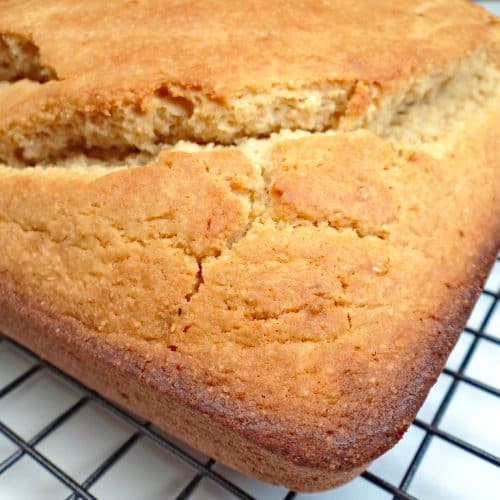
{"type": "Point", "coordinates": [205, 469]}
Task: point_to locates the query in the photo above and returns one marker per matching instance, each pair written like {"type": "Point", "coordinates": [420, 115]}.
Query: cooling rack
{"type": "Point", "coordinates": [58, 439]}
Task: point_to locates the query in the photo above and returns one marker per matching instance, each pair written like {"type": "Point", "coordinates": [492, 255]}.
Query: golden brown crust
{"type": "Point", "coordinates": [375, 320]}
{"type": "Point", "coordinates": [165, 393]}
{"type": "Point", "coordinates": [290, 299]}
{"type": "Point", "coordinates": [211, 76]}
{"type": "Point", "coordinates": [241, 43]}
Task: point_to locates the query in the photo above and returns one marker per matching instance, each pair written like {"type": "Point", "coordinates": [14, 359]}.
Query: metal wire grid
{"type": "Point", "coordinates": [80, 490]}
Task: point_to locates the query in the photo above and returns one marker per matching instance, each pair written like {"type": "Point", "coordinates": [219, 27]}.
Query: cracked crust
{"type": "Point", "coordinates": [284, 304]}
{"type": "Point", "coordinates": [156, 79]}
{"type": "Point", "coordinates": [159, 385]}
{"type": "Point", "coordinates": [311, 345]}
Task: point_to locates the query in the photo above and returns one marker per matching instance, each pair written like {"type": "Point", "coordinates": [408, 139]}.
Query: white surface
{"type": "Point", "coordinates": [147, 472]}
{"type": "Point", "coordinates": [144, 473]}
{"type": "Point", "coordinates": [493, 6]}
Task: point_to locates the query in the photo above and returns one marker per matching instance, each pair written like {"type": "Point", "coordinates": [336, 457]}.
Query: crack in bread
{"type": "Point", "coordinates": [20, 58]}
{"type": "Point", "coordinates": [117, 113]}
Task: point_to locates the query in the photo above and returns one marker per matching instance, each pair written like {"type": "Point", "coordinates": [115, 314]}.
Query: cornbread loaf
{"type": "Point", "coordinates": [259, 224]}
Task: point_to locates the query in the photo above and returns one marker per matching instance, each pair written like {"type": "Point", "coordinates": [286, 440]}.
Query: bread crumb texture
{"type": "Point", "coordinates": [128, 78]}
{"type": "Point", "coordinates": [282, 199]}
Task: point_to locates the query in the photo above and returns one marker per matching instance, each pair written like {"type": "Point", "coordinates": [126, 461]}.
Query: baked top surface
{"type": "Point", "coordinates": [229, 47]}
{"type": "Point", "coordinates": [133, 75]}
{"type": "Point", "coordinates": [308, 286]}
{"type": "Point", "coordinates": [292, 322]}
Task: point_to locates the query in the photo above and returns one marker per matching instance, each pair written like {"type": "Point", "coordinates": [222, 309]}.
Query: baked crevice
{"type": "Point", "coordinates": [197, 283]}
{"type": "Point", "coordinates": [20, 58]}
{"type": "Point", "coordinates": [416, 112]}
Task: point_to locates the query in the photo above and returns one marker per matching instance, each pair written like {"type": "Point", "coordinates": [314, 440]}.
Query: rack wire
{"type": "Point", "coordinates": [205, 469]}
